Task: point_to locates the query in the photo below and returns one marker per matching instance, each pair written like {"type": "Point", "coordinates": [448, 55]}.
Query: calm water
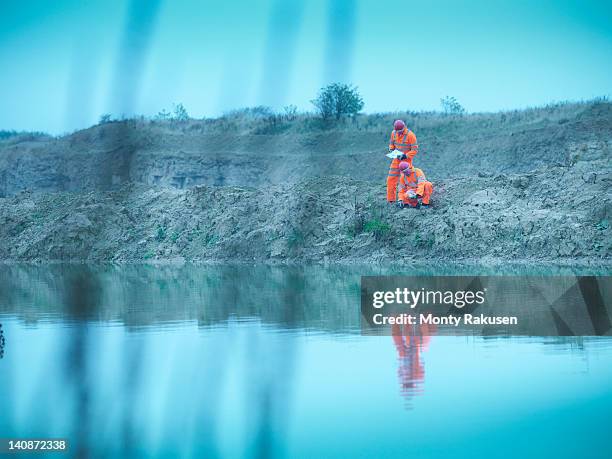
{"type": "Point", "coordinates": [268, 362]}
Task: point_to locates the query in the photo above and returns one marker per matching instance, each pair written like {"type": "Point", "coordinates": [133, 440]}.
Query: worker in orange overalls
{"type": "Point", "coordinates": [415, 190]}
{"type": "Point", "coordinates": [404, 142]}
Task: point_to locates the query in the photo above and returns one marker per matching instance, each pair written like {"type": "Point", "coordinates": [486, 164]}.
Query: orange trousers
{"type": "Point", "coordinates": [427, 190]}
{"type": "Point", "coordinates": [393, 179]}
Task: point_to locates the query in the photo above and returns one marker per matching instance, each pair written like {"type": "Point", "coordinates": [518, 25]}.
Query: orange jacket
{"type": "Point", "coordinates": [413, 181]}
{"type": "Point", "coordinates": [404, 141]}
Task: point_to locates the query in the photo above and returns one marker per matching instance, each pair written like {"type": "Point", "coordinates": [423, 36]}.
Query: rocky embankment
{"type": "Point", "coordinates": [559, 215]}
{"type": "Point", "coordinates": [533, 186]}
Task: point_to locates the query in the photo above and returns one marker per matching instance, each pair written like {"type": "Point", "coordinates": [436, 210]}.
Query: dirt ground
{"type": "Point", "coordinates": [536, 189]}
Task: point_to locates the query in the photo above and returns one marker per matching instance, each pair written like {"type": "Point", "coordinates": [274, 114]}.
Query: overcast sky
{"type": "Point", "coordinates": [65, 62]}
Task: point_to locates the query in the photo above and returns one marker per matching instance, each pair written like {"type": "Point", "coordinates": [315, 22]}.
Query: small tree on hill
{"type": "Point", "coordinates": [180, 113]}
{"type": "Point", "coordinates": [290, 112]}
{"type": "Point", "coordinates": [163, 115]}
{"type": "Point", "coordinates": [338, 99]}
{"type": "Point", "coordinates": [105, 118]}
{"type": "Point", "coordinates": [451, 106]}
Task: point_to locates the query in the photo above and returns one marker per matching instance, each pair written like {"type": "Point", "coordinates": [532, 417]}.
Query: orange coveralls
{"type": "Point", "coordinates": [406, 142]}
{"type": "Point", "coordinates": [415, 180]}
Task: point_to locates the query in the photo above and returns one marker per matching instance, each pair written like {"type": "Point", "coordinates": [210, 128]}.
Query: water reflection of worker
{"type": "Point", "coordinates": [410, 341]}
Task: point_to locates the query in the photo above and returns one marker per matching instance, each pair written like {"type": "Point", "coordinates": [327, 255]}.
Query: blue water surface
{"type": "Point", "coordinates": [269, 362]}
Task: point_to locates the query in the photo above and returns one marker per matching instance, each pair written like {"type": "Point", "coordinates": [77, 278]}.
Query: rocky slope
{"type": "Point", "coordinates": [501, 217]}
{"type": "Point", "coordinates": [262, 152]}
{"type": "Point", "coordinates": [540, 209]}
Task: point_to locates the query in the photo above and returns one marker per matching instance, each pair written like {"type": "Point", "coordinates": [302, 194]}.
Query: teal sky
{"type": "Point", "coordinates": [65, 62]}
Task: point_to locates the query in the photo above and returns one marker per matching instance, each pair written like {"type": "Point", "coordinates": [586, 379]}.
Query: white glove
{"type": "Point", "coordinates": [412, 194]}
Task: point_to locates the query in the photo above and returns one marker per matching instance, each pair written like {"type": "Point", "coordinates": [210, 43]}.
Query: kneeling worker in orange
{"type": "Point", "coordinates": [404, 143]}
{"type": "Point", "coordinates": [414, 187]}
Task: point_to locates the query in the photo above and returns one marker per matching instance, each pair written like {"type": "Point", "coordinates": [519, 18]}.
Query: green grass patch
{"type": "Point", "coordinates": [377, 227]}
{"type": "Point", "coordinates": [211, 239]}
{"type": "Point", "coordinates": [161, 233]}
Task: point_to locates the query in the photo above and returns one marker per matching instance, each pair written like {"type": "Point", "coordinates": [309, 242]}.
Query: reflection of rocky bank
{"type": "Point", "coordinates": [292, 297]}
{"type": "Point", "coordinates": [317, 298]}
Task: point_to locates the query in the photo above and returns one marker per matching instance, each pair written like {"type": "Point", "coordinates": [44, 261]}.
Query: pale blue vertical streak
{"type": "Point", "coordinates": [135, 42]}
{"type": "Point", "coordinates": [280, 51]}
{"type": "Point", "coordinates": [340, 44]}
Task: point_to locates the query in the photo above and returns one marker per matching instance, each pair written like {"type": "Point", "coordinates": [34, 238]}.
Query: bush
{"type": "Point", "coordinates": [180, 113]}
{"type": "Point", "coordinates": [105, 119]}
{"type": "Point", "coordinates": [357, 220]}
{"type": "Point", "coordinates": [451, 106]}
{"type": "Point", "coordinates": [290, 112]}
{"type": "Point", "coordinates": [161, 233]}
{"type": "Point", "coordinates": [23, 136]}
{"type": "Point", "coordinates": [163, 115]}
{"type": "Point", "coordinates": [377, 227]}
{"type": "Point", "coordinates": [8, 134]}
{"type": "Point", "coordinates": [338, 99]}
